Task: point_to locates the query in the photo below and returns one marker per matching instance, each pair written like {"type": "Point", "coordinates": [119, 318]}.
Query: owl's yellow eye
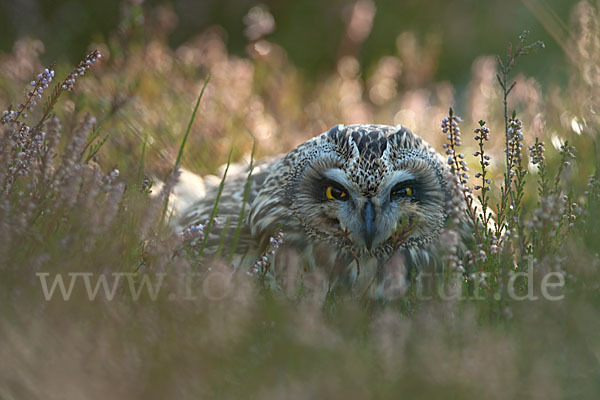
{"type": "Point", "coordinates": [335, 193]}
{"type": "Point", "coordinates": [402, 192]}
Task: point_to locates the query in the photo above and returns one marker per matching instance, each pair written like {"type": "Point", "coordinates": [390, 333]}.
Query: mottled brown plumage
{"type": "Point", "coordinates": [392, 190]}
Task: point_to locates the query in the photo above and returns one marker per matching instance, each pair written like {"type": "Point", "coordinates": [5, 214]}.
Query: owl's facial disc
{"type": "Point", "coordinates": [366, 221]}
{"type": "Point", "coordinates": [343, 207]}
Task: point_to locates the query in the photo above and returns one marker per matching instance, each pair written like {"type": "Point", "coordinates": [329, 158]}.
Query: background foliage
{"type": "Point", "coordinates": [311, 31]}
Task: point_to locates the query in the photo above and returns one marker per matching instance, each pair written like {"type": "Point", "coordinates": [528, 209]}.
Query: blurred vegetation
{"type": "Point", "coordinates": [311, 31]}
{"type": "Point", "coordinates": [76, 198]}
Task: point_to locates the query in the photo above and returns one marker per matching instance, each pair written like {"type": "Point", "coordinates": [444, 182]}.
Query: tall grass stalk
{"type": "Point", "coordinates": [240, 223]}
{"type": "Point", "coordinates": [182, 146]}
{"type": "Point", "coordinates": [215, 209]}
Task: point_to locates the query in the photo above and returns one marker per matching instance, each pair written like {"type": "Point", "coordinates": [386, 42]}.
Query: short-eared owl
{"type": "Point", "coordinates": [358, 201]}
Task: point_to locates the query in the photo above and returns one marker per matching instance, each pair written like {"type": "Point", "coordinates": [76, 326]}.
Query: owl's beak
{"type": "Point", "coordinates": [369, 217]}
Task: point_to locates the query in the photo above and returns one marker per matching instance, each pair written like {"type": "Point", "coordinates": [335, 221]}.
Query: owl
{"type": "Point", "coordinates": [363, 204]}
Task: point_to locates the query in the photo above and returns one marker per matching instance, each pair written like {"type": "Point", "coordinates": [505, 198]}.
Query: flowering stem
{"type": "Point", "coordinates": [450, 127]}
{"type": "Point", "coordinates": [482, 136]}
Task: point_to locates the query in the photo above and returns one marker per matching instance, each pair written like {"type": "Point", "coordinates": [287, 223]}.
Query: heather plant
{"type": "Point", "coordinates": [512, 238]}
{"type": "Point", "coordinates": [86, 177]}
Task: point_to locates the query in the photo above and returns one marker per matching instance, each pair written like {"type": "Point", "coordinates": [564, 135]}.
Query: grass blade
{"type": "Point", "coordinates": [189, 127]}
{"type": "Point", "coordinates": [240, 223]}
{"type": "Point", "coordinates": [215, 209]}
{"type": "Point", "coordinates": [140, 174]}
{"type": "Point", "coordinates": [182, 146]}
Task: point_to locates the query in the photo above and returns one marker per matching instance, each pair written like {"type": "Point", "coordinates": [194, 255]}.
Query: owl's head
{"type": "Point", "coordinates": [369, 188]}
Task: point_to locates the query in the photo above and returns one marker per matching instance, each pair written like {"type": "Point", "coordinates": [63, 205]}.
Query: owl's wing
{"type": "Point", "coordinates": [194, 198]}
